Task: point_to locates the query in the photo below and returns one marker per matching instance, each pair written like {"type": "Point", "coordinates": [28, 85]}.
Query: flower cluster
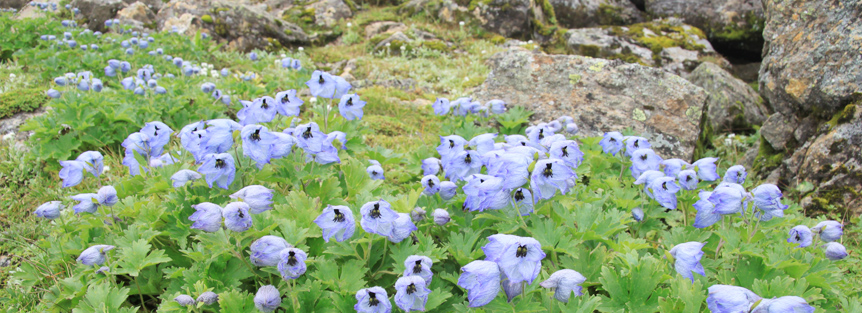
{"type": "Point", "coordinates": [465, 105]}
{"type": "Point", "coordinates": [829, 231]}
{"type": "Point", "coordinates": [724, 298]}
{"type": "Point", "coordinates": [84, 81]}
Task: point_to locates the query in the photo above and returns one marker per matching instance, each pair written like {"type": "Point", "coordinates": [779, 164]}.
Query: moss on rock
{"type": "Point", "coordinates": [17, 101]}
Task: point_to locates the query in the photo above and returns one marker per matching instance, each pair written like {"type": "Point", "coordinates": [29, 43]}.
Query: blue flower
{"type": "Point", "coordinates": [267, 299]}
{"type": "Point", "coordinates": [281, 146]}
{"type": "Point", "coordinates": [372, 300]}
{"type": "Point", "coordinates": [338, 135]}
{"type": "Point", "coordinates": [258, 198]}
{"type": "Point", "coordinates": [483, 143]}
{"type": "Point", "coordinates": [441, 217]}
{"type": "Point", "coordinates": [236, 216]}
{"type": "Point", "coordinates": [191, 136]}
{"type": "Point", "coordinates": [375, 170]}
{"type": "Point", "coordinates": [513, 168]}
{"type": "Point", "coordinates": [491, 194]}
{"type": "Point", "coordinates": [482, 281]}
{"type": "Point", "coordinates": [377, 217]}
{"type": "Point", "coordinates": [767, 198]}
{"type": "Point", "coordinates": [735, 174]}
{"type": "Point", "coordinates": [687, 257]}
{"type": "Point", "coordinates": [548, 176]}
{"type": "Point", "coordinates": [401, 228]}
{"type": "Point", "coordinates": [219, 169]}
{"type": "Point", "coordinates": [802, 235]}
{"type": "Point", "coordinates": [519, 258]}
{"type": "Point", "coordinates": [568, 151]}
{"type": "Point", "coordinates": [463, 164]}
{"type": "Point", "coordinates": [450, 146]}
{"type": "Point", "coordinates": [550, 140]}
{"type": "Point", "coordinates": [829, 230]}
{"type": "Point", "coordinates": [522, 200]}
{"type": "Point", "coordinates": [644, 160]}
{"type": "Point", "coordinates": [208, 298]}
{"type": "Point", "coordinates": [292, 264]}
{"type": "Point", "coordinates": [411, 293]}
{"type": "Point", "coordinates": [417, 214]}
{"type": "Point", "coordinates": [341, 87]}
{"type": "Point", "coordinates": [184, 300]}
{"type": "Point", "coordinates": [565, 282]}
{"type": "Point", "coordinates": [418, 265]}
{"type": "Point", "coordinates": [706, 213]}
{"type": "Point", "coordinates": [646, 178]}
{"type": "Point", "coordinates": [536, 133]}
{"type": "Point", "coordinates": [496, 106]}
{"type": "Point", "coordinates": [257, 143]}
{"type": "Point", "coordinates": [296, 64]}
{"type": "Point", "coordinates": [181, 177]}
{"type": "Point", "coordinates": [72, 173]}
{"type": "Point", "coordinates": [94, 255]}
{"type": "Point", "coordinates": [511, 289]}
{"type": "Point", "coordinates": [162, 160]}
{"type": "Point", "coordinates": [638, 214]}
{"type": "Point", "coordinates": [336, 221]}
{"type": "Point", "coordinates": [252, 56]}
{"type": "Point", "coordinates": [730, 299]}
{"type": "Point", "coordinates": [672, 167]}
{"type": "Point", "coordinates": [88, 202]}
{"type": "Point", "coordinates": [664, 191]}
{"type": "Point", "coordinates": [634, 143]}
{"type": "Point", "coordinates": [786, 304]}
{"type": "Point", "coordinates": [158, 135]}
{"type": "Point", "coordinates": [266, 251]}
{"type": "Point", "coordinates": [688, 179]}
{"type": "Point", "coordinates": [431, 184]}
{"type": "Point", "coordinates": [224, 72]}
{"type": "Point", "coordinates": [287, 103]}
{"type": "Point", "coordinates": [835, 251]}
{"type": "Point", "coordinates": [310, 138]}
{"type": "Point", "coordinates": [321, 84]}
{"type": "Point", "coordinates": [207, 217]}
{"type": "Point", "coordinates": [49, 210]}
{"type": "Point", "coordinates": [706, 169]}
{"type": "Point", "coordinates": [261, 110]}
{"type": "Point", "coordinates": [448, 190]}
{"type": "Point", "coordinates": [107, 195]}
{"type": "Point", "coordinates": [350, 107]}
{"type": "Point", "coordinates": [53, 93]}
{"type": "Point", "coordinates": [441, 106]}
{"type": "Point", "coordinates": [728, 199]}
{"type": "Point", "coordinates": [462, 106]}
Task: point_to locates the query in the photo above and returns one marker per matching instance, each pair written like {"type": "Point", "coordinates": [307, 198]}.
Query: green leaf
{"type": "Point", "coordinates": [138, 256]}
{"type": "Point", "coordinates": [236, 301]}
{"type": "Point", "coordinates": [103, 298]}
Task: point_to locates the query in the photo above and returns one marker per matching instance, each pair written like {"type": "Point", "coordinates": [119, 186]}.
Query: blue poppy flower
{"type": "Point", "coordinates": [401, 228]}
{"type": "Point", "coordinates": [448, 190]}
{"type": "Point", "coordinates": [783, 304]}
{"type": "Point", "coordinates": [372, 300]}
{"type": "Point", "coordinates": [321, 84]}
{"type": "Point", "coordinates": [258, 198]}
{"type": "Point", "coordinates": [520, 258]}
{"type": "Point", "coordinates": [185, 300]}
{"type": "Point", "coordinates": [767, 198]}
{"type": "Point", "coordinates": [664, 191]}
{"type": "Point", "coordinates": [829, 230]}
{"type": "Point", "coordinates": [735, 174]}
{"type": "Point", "coordinates": [687, 259]}
{"type": "Point", "coordinates": [802, 235]}
{"type": "Point", "coordinates": [219, 169]}
{"type": "Point", "coordinates": [181, 177]}
{"type": "Point", "coordinates": [483, 143]}
{"type": "Point", "coordinates": [257, 144]}
{"type": "Point", "coordinates": [216, 94]}
{"type": "Point", "coordinates": [207, 217]}
{"type": "Point", "coordinates": [431, 184]}
{"type": "Point", "coordinates": [287, 103]}
{"type": "Point", "coordinates": [49, 210]}
{"type": "Point", "coordinates": [336, 221]}
{"type": "Point", "coordinates": [411, 293]}
{"type": "Point", "coordinates": [644, 160]}
{"type": "Point", "coordinates": [418, 265]}
{"type": "Point", "coordinates": [328, 155]}
{"type": "Point", "coordinates": [522, 200]}
{"type": "Point", "coordinates": [207, 87]}
{"type": "Point", "coordinates": [730, 299]}
{"type": "Point", "coordinates": [158, 135]}
{"type": "Point", "coordinates": [565, 282]}
{"type": "Point", "coordinates": [672, 167]}
{"type": "Point", "coordinates": [835, 251]}
{"type": "Point", "coordinates": [450, 146]}
{"type": "Point", "coordinates": [236, 216]}
{"type": "Point", "coordinates": [441, 106]}
{"type": "Point", "coordinates": [375, 170]}
{"type": "Point", "coordinates": [350, 107]}
{"type": "Point", "coordinates": [191, 137]}
{"type": "Point", "coordinates": [548, 176]}
{"type": "Point", "coordinates": [638, 214]}
{"type": "Point", "coordinates": [208, 298]}
{"type": "Point", "coordinates": [292, 264]}
{"type": "Point", "coordinates": [688, 179]}
{"type": "Point", "coordinates": [88, 202]}
{"type": "Point", "coordinates": [431, 166]}
{"type": "Point", "coordinates": [258, 111]}
{"type": "Point", "coordinates": [441, 217]}
{"type": "Point", "coordinates": [377, 217]}
{"type": "Point", "coordinates": [296, 64]}
{"type": "Point", "coordinates": [72, 172]}
{"type": "Point", "coordinates": [94, 255]}
{"type": "Point", "coordinates": [482, 281]}
{"type": "Point", "coordinates": [568, 151]}
{"type": "Point", "coordinates": [267, 299]}
{"type": "Point", "coordinates": [706, 169]}
{"type": "Point", "coordinates": [310, 138]}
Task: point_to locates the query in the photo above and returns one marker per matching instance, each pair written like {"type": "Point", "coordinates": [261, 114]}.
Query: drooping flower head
{"type": "Point", "coordinates": [448, 190]}
{"type": "Point", "coordinates": [93, 162]}
{"type": "Point", "coordinates": [336, 221]}
{"type": "Point", "coordinates": [258, 198]}
{"type": "Point", "coordinates": [767, 199]}
{"type": "Point", "coordinates": [730, 299]}
{"type": "Point", "coordinates": [351, 106]}
{"type": "Point", "coordinates": [266, 251]}
{"type": "Point", "coordinates": [672, 167]}
{"type": "Point", "coordinates": [735, 174]}
{"type": "Point", "coordinates": [519, 258]}
{"type": "Point", "coordinates": [292, 264]}
{"type": "Point", "coordinates": [634, 143]}
{"type": "Point", "coordinates": [706, 169]}
{"type": "Point", "coordinates": [72, 173]}
{"type": "Point", "coordinates": [568, 151]}
{"type": "Point", "coordinates": [219, 169]}
{"type": "Point", "coordinates": [802, 235]}
{"type": "Point", "coordinates": [646, 178]}
{"type": "Point", "coordinates": [783, 304]}
{"type": "Point", "coordinates": [536, 133]}
{"type": "Point", "coordinates": [219, 136]}
{"type": "Point", "coordinates": [375, 170]}
{"type": "Point", "coordinates": [208, 298]}
{"type": "Point", "coordinates": [207, 217]}
{"type": "Point", "coordinates": [431, 166]}
{"type": "Point", "coordinates": [829, 230]}
{"type": "Point", "coordinates": [401, 228]}
{"type": "Point", "coordinates": [565, 282]}
{"type": "Point", "coordinates": [644, 160]}
{"type": "Point", "coordinates": [512, 167]}
{"type": "Point", "coordinates": [431, 184]}
{"type": "Point", "coordinates": [49, 210]}
{"type": "Point", "coordinates": [158, 135]}
{"type": "Point", "coordinates": [257, 143]}
{"type": "Point", "coordinates": [287, 103]}
{"type": "Point", "coordinates": [835, 251]}
{"type": "Point", "coordinates": [321, 84]}
{"type": "Point", "coordinates": [419, 265]}
{"type": "Point", "coordinates": [483, 143]}
{"type": "Point", "coordinates": [377, 217]}
{"type": "Point", "coordinates": [482, 281]}
{"type": "Point", "coordinates": [372, 300]}
{"type": "Point", "coordinates": [107, 195]}
{"type": "Point", "coordinates": [441, 217]}
{"type": "Point", "coordinates": [441, 106]}
{"type": "Point", "coordinates": [236, 216]}
{"type": "Point", "coordinates": [687, 259]}
{"type": "Point", "coordinates": [411, 293]}
{"type": "Point", "coordinates": [664, 191]}
{"type": "Point", "coordinates": [522, 200]}
{"type": "Point", "coordinates": [94, 255]}
{"type": "Point", "coordinates": [87, 202]}
{"type": "Point", "coordinates": [261, 110]}
{"type": "Point", "coordinates": [638, 214]}
{"type": "Point", "coordinates": [496, 106]}
{"type": "Point", "coordinates": [418, 214]}
{"type": "Point", "coordinates": [687, 179]}
{"type": "Point", "coordinates": [181, 177]}
{"type": "Point", "coordinates": [463, 164]}
{"type": "Point", "coordinates": [450, 146]}
{"type": "Point", "coordinates": [267, 299]}
{"type": "Point", "coordinates": [185, 300]}
{"type": "Point", "coordinates": [706, 211]}
{"type": "Point", "coordinates": [548, 176]}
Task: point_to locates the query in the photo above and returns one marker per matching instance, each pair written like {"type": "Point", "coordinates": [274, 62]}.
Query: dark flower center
{"type": "Point", "coordinates": [374, 173]}
{"type": "Point", "coordinates": [565, 151]}
{"type": "Point", "coordinates": [239, 213]}
{"type": "Point", "coordinates": [643, 157]}
{"type": "Point", "coordinates": [285, 99]}
{"type": "Point", "coordinates": [320, 80]}
{"type": "Point", "coordinates": [375, 212]}
{"type": "Point", "coordinates": [156, 133]}
{"type": "Point", "coordinates": [664, 185]}
{"type": "Point", "coordinates": [524, 143]}
{"type": "Point", "coordinates": [291, 258]}
{"type": "Point", "coordinates": [451, 144]}
{"type": "Point", "coordinates": [521, 252]}
{"type": "Point", "coordinates": [372, 299]}
{"type": "Point", "coordinates": [255, 136]}
{"type": "Point", "coordinates": [548, 171]}
{"type": "Point", "coordinates": [418, 268]}
{"type": "Point", "coordinates": [468, 159]}
{"type": "Point", "coordinates": [220, 163]}
{"type": "Point", "coordinates": [307, 133]}
{"type": "Point", "coordinates": [519, 195]}
{"type": "Point", "coordinates": [688, 178]}
{"type": "Point", "coordinates": [339, 217]}
{"type": "Point", "coordinates": [264, 104]}
{"type": "Point", "coordinates": [612, 140]}
{"type": "Point", "coordinates": [430, 183]}
{"type": "Point", "coordinates": [350, 101]}
{"type": "Point", "coordinates": [797, 237]}
{"type": "Point", "coordinates": [636, 143]}
{"type": "Point", "coordinates": [411, 289]}
{"type": "Point", "coordinates": [541, 134]}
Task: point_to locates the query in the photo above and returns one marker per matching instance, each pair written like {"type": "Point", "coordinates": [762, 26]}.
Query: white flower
{"type": "Point", "coordinates": [9, 136]}
{"type": "Point", "coordinates": [483, 51]}
{"type": "Point", "coordinates": [211, 66]}
{"type": "Point", "coordinates": [466, 78]}
{"type": "Point", "coordinates": [461, 23]}
{"type": "Point", "coordinates": [204, 64]}
{"type": "Point", "coordinates": [388, 44]}
{"type": "Point", "coordinates": [731, 135]}
{"type": "Point", "coordinates": [349, 24]}
{"type": "Point", "coordinates": [728, 141]}
{"type": "Point", "coordinates": [283, 55]}
{"type": "Point", "coordinates": [403, 47]}
{"type": "Point", "coordinates": [313, 100]}
{"type": "Point", "coordinates": [214, 73]}
{"type": "Point", "coordinates": [12, 75]}
{"type": "Point", "coordinates": [530, 42]}
{"type": "Point", "coordinates": [106, 169]}
{"type": "Point", "coordinates": [300, 49]}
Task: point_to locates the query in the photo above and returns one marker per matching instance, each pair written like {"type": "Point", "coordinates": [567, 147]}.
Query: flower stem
{"type": "Point", "coordinates": [141, 294]}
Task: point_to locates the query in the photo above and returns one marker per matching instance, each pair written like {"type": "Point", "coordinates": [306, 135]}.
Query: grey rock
{"type": "Point", "coordinates": [329, 12]}
{"type": "Point", "coordinates": [601, 95]}
{"type": "Point", "coordinates": [14, 4]}
{"type": "Point", "coordinates": [778, 129]}
{"type": "Point", "coordinates": [590, 13]}
{"type": "Point", "coordinates": [750, 155]}
{"type": "Point", "coordinates": [396, 36]}
{"type": "Point", "coordinates": [734, 23]}
{"type": "Point", "coordinates": [12, 123]}
{"type": "Point", "coordinates": [509, 18]}
{"type": "Point", "coordinates": [733, 106]}
{"type": "Point", "coordinates": [137, 14]}
{"type": "Point", "coordinates": [384, 27]}
{"type": "Point", "coordinates": [98, 11]}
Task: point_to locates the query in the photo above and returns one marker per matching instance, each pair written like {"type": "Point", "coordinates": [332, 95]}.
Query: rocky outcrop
{"type": "Point", "coordinates": [384, 27]}
{"type": "Point", "coordinates": [590, 13]}
{"type": "Point", "coordinates": [669, 44]}
{"type": "Point", "coordinates": [602, 95]}
{"type": "Point", "coordinates": [509, 18]}
{"type": "Point", "coordinates": [733, 106]}
{"type": "Point", "coordinates": [243, 27]}
{"type": "Point", "coordinates": [13, 4]}
{"type": "Point", "coordinates": [97, 12]}
{"type": "Point", "coordinates": [138, 15]}
{"type": "Point", "coordinates": [328, 12]}
{"type": "Point", "coordinates": [732, 24]}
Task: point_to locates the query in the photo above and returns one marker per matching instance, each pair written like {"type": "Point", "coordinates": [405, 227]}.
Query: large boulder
{"type": "Point", "coordinates": [242, 27]}
{"type": "Point", "coordinates": [509, 18]}
{"type": "Point", "coordinates": [735, 25]}
{"type": "Point", "coordinates": [14, 4]}
{"type": "Point", "coordinates": [138, 15]}
{"type": "Point", "coordinates": [733, 106]}
{"type": "Point", "coordinates": [589, 13]}
{"type": "Point", "coordinates": [328, 12]}
{"type": "Point", "coordinates": [601, 95]}
{"type": "Point", "coordinates": [96, 12]}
